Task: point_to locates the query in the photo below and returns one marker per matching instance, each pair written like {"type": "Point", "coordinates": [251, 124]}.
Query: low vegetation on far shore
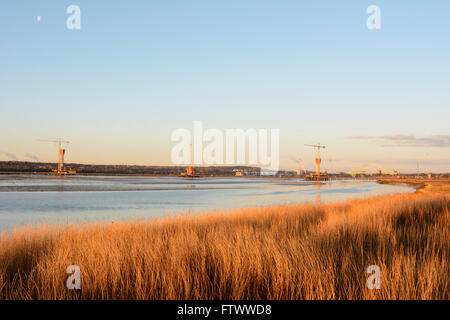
{"type": "Point", "coordinates": [440, 186]}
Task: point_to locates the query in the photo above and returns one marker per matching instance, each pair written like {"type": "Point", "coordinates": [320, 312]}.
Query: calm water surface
{"type": "Point", "coordinates": [28, 200]}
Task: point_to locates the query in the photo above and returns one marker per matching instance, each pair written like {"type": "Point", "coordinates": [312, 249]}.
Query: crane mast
{"type": "Point", "coordinates": [318, 175]}
{"type": "Point", "coordinates": [61, 153]}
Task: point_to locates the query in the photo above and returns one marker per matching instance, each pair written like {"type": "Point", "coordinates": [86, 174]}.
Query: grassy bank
{"type": "Point", "coordinates": [305, 251]}
{"type": "Point", "coordinates": [436, 186]}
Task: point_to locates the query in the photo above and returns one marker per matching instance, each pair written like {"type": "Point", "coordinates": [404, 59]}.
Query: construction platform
{"type": "Point", "coordinates": [316, 177]}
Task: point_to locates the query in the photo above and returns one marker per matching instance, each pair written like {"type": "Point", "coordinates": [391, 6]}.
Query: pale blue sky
{"type": "Point", "coordinates": [137, 70]}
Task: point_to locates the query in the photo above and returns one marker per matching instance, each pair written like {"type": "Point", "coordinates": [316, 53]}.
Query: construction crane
{"type": "Point", "coordinates": [317, 176]}
{"type": "Point", "coordinates": [318, 160]}
{"type": "Point", "coordinates": [61, 153]}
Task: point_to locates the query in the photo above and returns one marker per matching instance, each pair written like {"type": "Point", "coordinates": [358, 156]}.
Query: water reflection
{"type": "Point", "coordinates": [318, 185]}
{"type": "Point", "coordinates": [60, 183]}
{"type": "Point", "coordinates": [31, 199]}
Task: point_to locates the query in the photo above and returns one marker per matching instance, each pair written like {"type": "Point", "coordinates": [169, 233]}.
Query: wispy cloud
{"type": "Point", "coordinates": [402, 140]}
{"type": "Point", "coordinates": [8, 155]}
{"type": "Point", "coordinates": [31, 156]}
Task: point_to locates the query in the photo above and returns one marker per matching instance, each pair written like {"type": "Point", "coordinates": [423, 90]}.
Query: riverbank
{"type": "Point", "coordinates": [307, 251]}
{"type": "Point", "coordinates": [436, 186]}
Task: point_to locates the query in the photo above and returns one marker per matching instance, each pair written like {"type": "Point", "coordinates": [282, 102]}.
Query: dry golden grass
{"type": "Point", "coordinates": [308, 251]}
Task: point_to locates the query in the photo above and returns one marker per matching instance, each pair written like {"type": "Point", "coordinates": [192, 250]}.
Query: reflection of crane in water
{"type": "Point", "coordinates": [318, 185]}
{"type": "Point", "coordinates": [61, 153]}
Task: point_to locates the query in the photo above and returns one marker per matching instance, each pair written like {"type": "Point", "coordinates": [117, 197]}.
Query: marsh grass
{"type": "Point", "coordinates": [308, 251]}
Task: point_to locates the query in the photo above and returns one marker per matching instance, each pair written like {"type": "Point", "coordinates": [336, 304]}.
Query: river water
{"type": "Point", "coordinates": [28, 199]}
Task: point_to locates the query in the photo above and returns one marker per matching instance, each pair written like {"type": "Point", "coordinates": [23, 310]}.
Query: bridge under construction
{"type": "Point", "coordinates": [317, 176]}
{"type": "Point", "coordinates": [61, 152]}
{"type": "Point", "coordinates": [376, 169]}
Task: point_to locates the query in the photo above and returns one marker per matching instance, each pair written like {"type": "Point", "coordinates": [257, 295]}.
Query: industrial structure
{"type": "Point", "coordinates": [61, 152]}
{"type": "Point", "coordinates": [301, 169]}
{"type": "Point", "coordinates": [317, 176]}
{"type": "Point", "coordinates": [189, 170]}
{"type": "Point", "coordinates": [379, 170]}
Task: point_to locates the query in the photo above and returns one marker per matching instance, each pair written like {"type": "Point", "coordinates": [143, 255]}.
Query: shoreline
{"type": "Point", "coordinates": [418, 186]}
{"type": "Point", "coordinates": [421, 187]}
{"type": "Point", "coordinates": [151, 213]}
{"type": "Point", "coordinates": [429, 186]}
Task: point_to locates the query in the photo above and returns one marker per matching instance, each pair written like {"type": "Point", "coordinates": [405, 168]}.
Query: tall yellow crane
{"type": "Point", "coordinates": [318, 159]}
{"type": "Point", "coordinates": [61, 153]}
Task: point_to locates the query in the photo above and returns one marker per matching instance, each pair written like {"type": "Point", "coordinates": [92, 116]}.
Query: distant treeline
{"type": "Point", "coordinates": [44, 167]}
{"type": "Point", "coordinates": [41, 167]}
